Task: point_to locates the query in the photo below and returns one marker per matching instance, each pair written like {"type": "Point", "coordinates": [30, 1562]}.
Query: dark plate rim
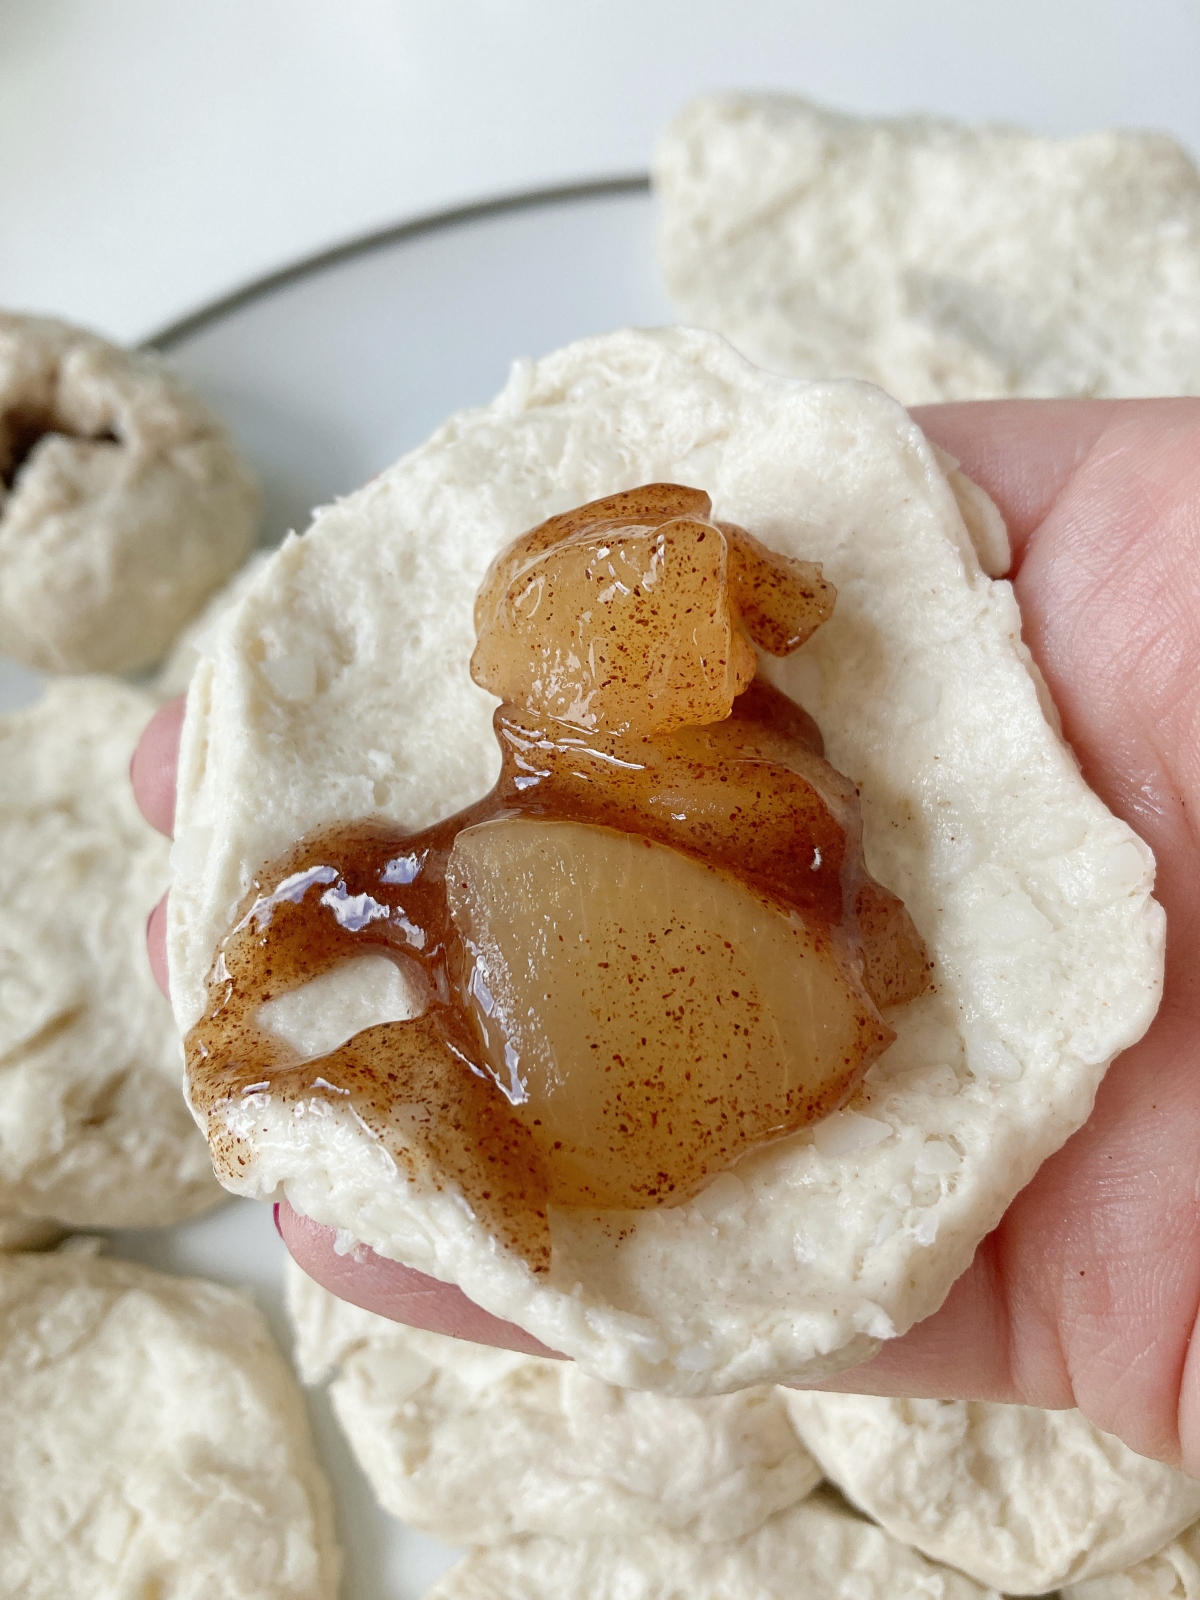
{"type": "Point", "coordinates": [164, 339]}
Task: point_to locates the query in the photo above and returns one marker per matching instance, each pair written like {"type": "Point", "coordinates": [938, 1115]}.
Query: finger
{"type": "Point", "coordinates": [395, 1291]}
{"type": "Point", "coordinates": [156, 945]}
{"type": "Point", "coordinates": [152, 770]}
{"type": "Point", "coordinates": [1087, 1293]}
{"type": "Point", "coordinates": [1026, 452]}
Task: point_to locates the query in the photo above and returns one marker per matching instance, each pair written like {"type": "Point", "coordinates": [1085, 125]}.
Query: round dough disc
{"type": "Point", "coordinates": [154, 1441]}
{"type": "Point", "coordinates": [817, 1549]}
{"type": "Point", "coordinates": [475, 1445]}
{"type": "Point", "coordinates": [338, 689]}
{"type": "Point", "coordinates": [94, 1130]}
{"type": "Point", "coordinates": [1020, 1498]}
{"type": "Point", "coordinates": [943, 262]}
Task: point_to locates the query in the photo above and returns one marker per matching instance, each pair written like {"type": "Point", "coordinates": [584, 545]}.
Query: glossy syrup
{"type": "Point", "coordinates": [751, 797]}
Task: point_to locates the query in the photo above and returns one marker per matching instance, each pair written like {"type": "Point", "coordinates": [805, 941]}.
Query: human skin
{"type": "Point", "coordinates": [1087, 1293]}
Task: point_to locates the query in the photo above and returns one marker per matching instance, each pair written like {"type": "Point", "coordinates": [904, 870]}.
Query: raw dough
{"type": "Point", "coordinates": [123, 503]}
{"type": "Point", "coordinates": [176, 671]}
{"type": "Point", "coordinates": [1024, 1499]}
{"type": "Point", "coordinates": [817, 1551]}
{"type": "Point", "coordinates": [94, 1130]}
{"type": "Point", "coordinates": [338, 689]}
{"type": "Point", "coordinates": [942, 262]}
{"type": "Point", "coordinates": [476, 1446]}
{"type": "Point", "coordinates": [154, 1442]}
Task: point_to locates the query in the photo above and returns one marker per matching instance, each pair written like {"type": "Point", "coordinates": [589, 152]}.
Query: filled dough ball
{"type": "Point", "coordinates": [154, 1442]}
{"type": "Point", "coordinates": [94, 1130]}
{"type": "Point", "coordinates": [123, 503]}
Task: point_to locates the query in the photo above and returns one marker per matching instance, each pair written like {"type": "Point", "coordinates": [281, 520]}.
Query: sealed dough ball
{"type": "Point", "coordinates": [94, 1130]}
{"type": "Point", "coordinates": [155, 1442]}
{"type": "Point", "coordinates": [123, 503]}
{"type": "Point", "coordinates": [1172, 1573]}
{"type": "Point", "coordinates": [815, 1551]}
{"type": "Point", "coordinates": [338, 689]}
{"type": "Point", "coordinates": [475, 1445]}
{"type": "Point", "coordinates": [1020, 1498]}
{"type": "Point", "coordinates": [939, 261]}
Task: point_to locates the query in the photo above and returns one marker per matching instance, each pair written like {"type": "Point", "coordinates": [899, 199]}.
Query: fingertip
{"type": "Point", "coordinates": [153, 766]}
{"type": "Point", "coordinates": [395, 1291]}
{"type": "Point", "coordinates": [156, 945]}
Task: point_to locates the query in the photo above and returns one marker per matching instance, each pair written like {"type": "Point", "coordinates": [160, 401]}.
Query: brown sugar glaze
{"type": "Point", "coordinates": [750, 796]}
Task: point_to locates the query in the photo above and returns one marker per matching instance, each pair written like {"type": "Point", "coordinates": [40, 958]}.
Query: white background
{"type": "Point", "coordinates": [156, 153]}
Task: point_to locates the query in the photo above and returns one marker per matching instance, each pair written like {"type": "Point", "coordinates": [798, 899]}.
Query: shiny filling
{"type": "Point", "coordinates": [650, 950]}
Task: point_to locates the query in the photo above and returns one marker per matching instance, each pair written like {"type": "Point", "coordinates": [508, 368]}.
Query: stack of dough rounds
{"type": "Point", "coordinates": [94, 1130]}
{"type": "Point", "coordinates": [815, 1551]}
{"type": "Point", "coordinates": [941, 262]}
{"type": "Point", "coordinates": [477, 1446]}
{"type": "Point", "coordinates": [1023, 1499]}
{"type": "Point", "coordinates": [123, 503]}
{"type": "Point", "coordinates": [154, 1442]}
{"type": "Point", "coordinates": [338, 689]}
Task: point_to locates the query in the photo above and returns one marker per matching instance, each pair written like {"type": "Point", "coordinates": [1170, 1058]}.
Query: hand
{"type": "Point", "coordinates": [1087, 1293]}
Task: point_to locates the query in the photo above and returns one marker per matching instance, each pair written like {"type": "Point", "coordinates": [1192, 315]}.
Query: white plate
{"type": "Point", "coordinates": [326, 373]}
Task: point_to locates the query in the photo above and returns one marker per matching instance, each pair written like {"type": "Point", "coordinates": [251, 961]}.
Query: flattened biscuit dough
{"type": "Point", "coordinates": [154, 1442]}
{"type": "Point", "coordinates": [123, 503]}
{"type": "Point", "coordinates": [94, 1130]}
{"type": "Point", "coordinates": [176, 671]}
{"type": "Point", "coordinates": [942, 262]}
{"type": "Point", "coordinates": [817, 1550]}
{"type": "Point", "coordinates": [338, 689]}
{"type": "Point", "coordinates": [475, 1445]}
{"type": "Point", "coordinates": [1021, 1498]}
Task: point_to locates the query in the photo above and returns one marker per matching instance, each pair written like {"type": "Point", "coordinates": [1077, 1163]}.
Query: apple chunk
{"type": "Point", "coordinates": [649, 1017]}
{"type": "Point", "coordinates": [618, 629]}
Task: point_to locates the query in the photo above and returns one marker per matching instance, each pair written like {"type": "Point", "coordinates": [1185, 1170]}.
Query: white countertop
{"type": "Point", "coordinates": [157, 155]}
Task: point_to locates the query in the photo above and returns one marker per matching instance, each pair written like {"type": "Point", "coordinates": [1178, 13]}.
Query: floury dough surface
{"type": "Point", "coordinates": [475, 1445]}
{"type": "Point", "coordinates": [94, 1130]}
{"type": "Point", "coordinates": [123, 503]}
{"type": "Point", "coordinates": [1172, 1573]}
{"type": "Point", "coordinates": [176, 671]}
{"type": "Point", "coordinates": [1024, 1499]}
{"type": "Point", "coordinates": [817, 1550]}
{"type": "Point", "coordinates": [154, 1442]}
{"type": "Point", "coordinates": [338, 689]}
{"type": "Point", "coordinates": [942, 262]}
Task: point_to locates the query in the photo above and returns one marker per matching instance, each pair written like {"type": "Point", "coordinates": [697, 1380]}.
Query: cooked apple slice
{"type": "Point", "coordinates": [646, 507]}
{"type": "Point", "coordinates": [781, 602]}
{"type": "Point", "coordinates": [649, 1017]}
{"type": "Point", "coordinates": [619, 630]}
{"type": "Point", "coordinates": [745, 793]}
